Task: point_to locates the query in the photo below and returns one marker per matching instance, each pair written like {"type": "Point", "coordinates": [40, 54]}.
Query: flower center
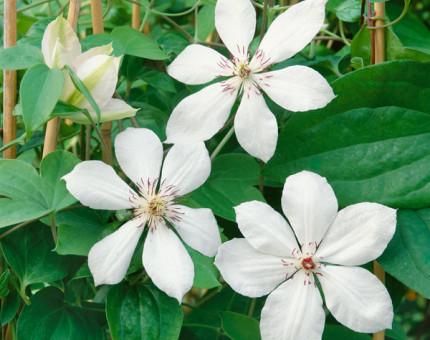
{"type": "Point", "coordinates": [305, 262]}
{"type": "Point", "coordinates": [308, 263]}
{"type": "Point", "coordinates": [155, 207]}
{"type": "Point", "coordinates": [243, 70]}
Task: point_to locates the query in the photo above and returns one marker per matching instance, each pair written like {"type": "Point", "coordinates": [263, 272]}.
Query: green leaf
{"type": "Point", "coordinates": [229, 184]}
{"type": "Point", "coordinates": [240, 327]}
{"type": "Point", "coordinates": [49, 317]}
{"type": "Point", "coordinates": [29, 253]}
{"type": "Point", "coordinates": [20, 57]}
{"type": "Point", "coordinates": [63, 109]}
{"type": "Point", "coordinates": [397, 332]}
{"type": "Point", "coordinates": [53, 167]}
{"type": "Point", "coordinates": [159, 80]}
{"type": "Point", "coordinates": [4, 283]}
{"type": "Point", "coordinates": [340, 332]}
{"type": "Point", "coordinates": [205, 21]}
{"type": "Point", "coordinates": [360, 47]}
{"type": "Point", "coordinates": [138, 44]}
{"type": "Point", "coordinates": [345, 10]}
{"type": "Point", "coordinates": [411, 30]}
{"type": "Point", "coordinates": [78, 231]}
{"type": "Point", "coordinates": [206, 274]}
{"type": "Point", "coordinates": [40, 89]}
{"type": "Point", "coordinates": [9, 308]}
{"type": "Point", "coordinates": [377, 155]}
{"type": "Point", "coordinates": [142, 312]}
{"type": "Point", "coordinates": [29, 196]}
{"type": "Point", "coordinates": [407, 256]}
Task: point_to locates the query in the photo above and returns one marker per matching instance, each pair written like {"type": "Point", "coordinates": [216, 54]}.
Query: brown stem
{"type": "Point", "coordinates": [53, 126]}
{"type": "Point", "coordinates": [370, 23]}
{"type": "Point", "coordinates": [9, 81]}
{"type": "Point", "coordinates": [378, 56]}
{"type": "Point", "coordinates": [88, 142]}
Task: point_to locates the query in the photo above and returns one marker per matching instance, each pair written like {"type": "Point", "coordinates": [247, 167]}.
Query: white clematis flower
{"type": "Point", "coordinates": [97, 69]}
{"type": "Point", "coordinates": [330, 246]}
{"type": "Point", "coordinates": [296, 88]}
{"type": "Point", "coordinates": [155, 204]}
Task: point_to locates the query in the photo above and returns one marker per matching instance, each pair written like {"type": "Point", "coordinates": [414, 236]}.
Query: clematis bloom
{"type": "Point", "coordinates": [97, 69]}
{"type": "Point", "coordinates": [155, 204]}
{"type": "Point", "coordinates": [297, 88]}
{"type": "Point", "coordinates": [330, 246]}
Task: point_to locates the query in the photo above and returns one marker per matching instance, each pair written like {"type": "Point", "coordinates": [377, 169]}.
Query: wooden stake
{"type": "Point", "coordinates": [97, 19]}
{"type": "Point", "coordinates": [135, 16]}
{"type": "Point", "coordinates": [53, 126]}
{"type": "Point", "coordinates": [379, 57]}
{"type": "Point", "coordinates": [9, 81]}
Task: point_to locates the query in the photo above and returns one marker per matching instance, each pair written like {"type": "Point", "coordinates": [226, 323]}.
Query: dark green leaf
{"type": "Point", "coordinates": [29, 253]}
{"type": "Point", "coordinates": [4, 283]}
{"type": "Point", "coordinates": [229, 184]}
{"type": "Point", "coordinates": [407, 256]}
{"type": "Point", "coordinates": [49, 317]}
{"type": "Point", "coordinates": [206, 274]}
{"type": "Point", "coordinates": [78, 231]}
{"type": "Point", "coordinates": [138, 44]}
{"type": "Point", "coordinates": [40, 89]}
{"type": "Point", "coordinates": [345, 10]}
{"type": "Point", "coordinates": [9, 308]}
{"type": "Point", "coordinates": [397, 332]}
{"type": "Point", "coordinates": [340, 332]}
{"type": "Point", "coordinates": [159, 80]}
{"type": "Point", "coordinates": [20, 57]}
{"type": "Point", "coordinates": [240, 327]}
{"type": "Point", "coordinates": [142, 312]}
{"type": "Point", "coordinates": [375, 155]}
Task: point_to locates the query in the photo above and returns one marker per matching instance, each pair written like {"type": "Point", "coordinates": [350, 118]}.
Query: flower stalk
{"type": "Point", "coordinates": [9, 76]}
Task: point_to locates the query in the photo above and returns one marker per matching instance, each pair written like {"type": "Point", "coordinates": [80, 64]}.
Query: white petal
{"type": "Point", "coordinates": [104, 50]}
{"type": "Point", "coordinates": [293, 30]}
{"type": "Point", "coordinates": [198, 64]}
{"type": "Point", "coordinates": [139, 153]}
{"type": "Point", "coordinates": [198, 229]}
{"type": "Point", "coordinates": [100, 75]}
{"type": "Point", "coordinates": [310, 205]}
{"type": "Point", "coordinates": [293, 312]}
{"type": "Point", "coordinates": [167, 262]}
{"type": "Point", "coordinates": [186, 167]}
{"type": "Point", "coordinates": [265, 229]}
{"type": "Point", "coordinates": [256, 127]}
{"type": "Point", "coordinates": [235, 22]}
{"type": "Point", "coordinates": [109, 258]}
{"type": "Point", "coordinates": [296, 88]}
{"type": "Point", "coordinates": [248, 271]}
{"type": "Point", "coordinates": [359, 234]}
{"type": "Point", "coordinates": [96, 185]}
{"type": "Point", "coordinates": [199, 116]}
{"type": "Point", "coordinates": [356, 298]}
{"type": "Point", "coordinates": [114, 109]}
{"type": "Point", "coordinates": [60, 45]}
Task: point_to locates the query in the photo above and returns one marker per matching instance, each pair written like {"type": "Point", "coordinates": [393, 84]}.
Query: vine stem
{"type": "Point", "coordinates": [222, 143]}
{"type": "Point", "coordinates": [9, 81]}
{"type": "Point", "coordinates": [378, 56]}
{"type": "Point", "coordinates": [53, 126]}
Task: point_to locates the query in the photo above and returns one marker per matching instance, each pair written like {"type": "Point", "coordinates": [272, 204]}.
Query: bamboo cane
{"type": "Point", "coordinates": [53, 126]}
{"type": "Point", "coordinates": [97, 19]}
{"type": "Point", "coordinates": [9, 81]}
{"type": "Point", "coordinates": [135, 16]}
{"type": "Point", "coordinates": [379, 58]}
